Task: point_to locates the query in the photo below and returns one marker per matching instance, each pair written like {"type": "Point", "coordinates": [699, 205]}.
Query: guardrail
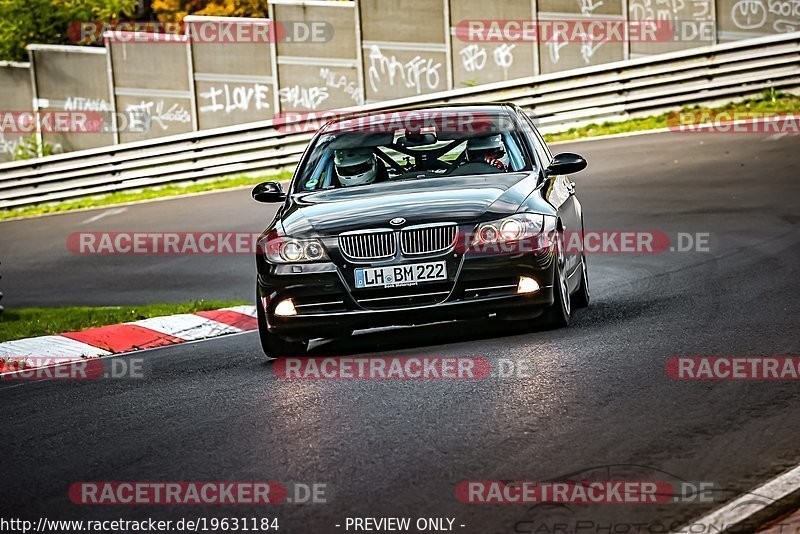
{"type": "Point", "coordinates": [645, 85]}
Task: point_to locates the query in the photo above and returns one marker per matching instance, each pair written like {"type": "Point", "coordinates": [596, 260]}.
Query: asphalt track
{"type": "Point", "coordinates": [597, 404]}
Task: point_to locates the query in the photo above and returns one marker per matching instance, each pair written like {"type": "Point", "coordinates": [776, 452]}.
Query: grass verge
{"type": "Point", "coordinates": [30, 322]}
{"type": "Point", "coordinates": [770, 101]}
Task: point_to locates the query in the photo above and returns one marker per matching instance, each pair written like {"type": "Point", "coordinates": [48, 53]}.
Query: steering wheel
{"type": "Point", "coordinates": [476, 167]}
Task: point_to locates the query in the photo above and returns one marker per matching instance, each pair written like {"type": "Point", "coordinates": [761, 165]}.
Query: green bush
{"type": "Point", "coordinates": [29, 148]}
{"type": "Point", "coordinates": [23, 22]}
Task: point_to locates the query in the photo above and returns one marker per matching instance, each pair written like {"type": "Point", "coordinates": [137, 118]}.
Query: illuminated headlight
{"type": "Point", "coordinates": [285, 308]}
{"type": "Point", "coordinates": [292, 251]}
{"type": "Point", "coordinates": [510, 230]}
{"type": "Point", "coordinates": [514, 228]}
{"type": "Point", "coordinates": [527, 285]}
{"type": "Point", "coordinates": [288, 250]}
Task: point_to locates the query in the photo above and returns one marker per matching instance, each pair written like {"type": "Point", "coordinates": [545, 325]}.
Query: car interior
{"type": "Point", "coordinates": [410, 155]}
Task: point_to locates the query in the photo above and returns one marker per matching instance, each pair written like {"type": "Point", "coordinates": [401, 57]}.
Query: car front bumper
{"type": "Point", "coordinates": [328, 307]}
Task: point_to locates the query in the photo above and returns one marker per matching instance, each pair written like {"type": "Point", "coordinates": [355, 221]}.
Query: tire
{"type": "Point", "coordinates": [581, 297]}
{"type": "Point", "coordinates": [275, 346]}
{"type": "Point", "coordinates": [558, 315]}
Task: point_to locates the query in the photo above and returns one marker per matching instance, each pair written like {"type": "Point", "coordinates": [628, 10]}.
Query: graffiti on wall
{"type": "Point", "coordinates": [418, 73]}
{"type": "Point", "coordinates": [229, 98]}
{"type": "Point", "coordinates": [79, 103]}
{"type": "Point", "coordinates": [474, 56]}
{"type": "Point", "coordinates": [159, 114]}
{"type": "Point", "coordinates": [298, 97]}
{"type": "Point", "coordinates": [589, 46]}
{"type": "Point", "coordinates": [756, 15]}
{"type": "Point", "coordinates": [8, 146]}
{"type": "Point", "coordinates": [341, 82]}
{"type": "Point", "coordinates": [670, 9]}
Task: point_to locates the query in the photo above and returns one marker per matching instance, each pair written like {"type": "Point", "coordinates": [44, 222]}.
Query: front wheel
{"type": "Point", "coordinates": [558, 315]}
{"type": "Point", "coordinates": [581, 297]}
{"type": "Point", "coordinates": [273, 345]}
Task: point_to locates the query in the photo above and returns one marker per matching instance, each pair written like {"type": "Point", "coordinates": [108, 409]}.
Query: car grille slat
{"type": "Point", "coordinates": [368, 245]}
{"type": "Point", "coordinates": [427, 240]}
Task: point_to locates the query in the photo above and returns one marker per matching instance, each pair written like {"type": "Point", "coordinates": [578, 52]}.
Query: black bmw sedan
{"type": "Point", "coordinates": [416, 216]}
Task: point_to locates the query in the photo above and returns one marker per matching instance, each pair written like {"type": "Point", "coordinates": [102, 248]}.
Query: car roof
{"type": "Point", "coordinates": [493, 108]}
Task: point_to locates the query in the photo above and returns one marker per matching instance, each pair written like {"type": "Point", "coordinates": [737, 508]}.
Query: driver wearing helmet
{"type": "Point", "coordinates": [356, 166]}
{"type": "Point", "coordinates": [489, 150]}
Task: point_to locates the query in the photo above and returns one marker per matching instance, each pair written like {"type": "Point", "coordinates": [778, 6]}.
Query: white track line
{"type": "Point", "coordinates": [115, 211]}
{"type": "Point", "coordinates": [749, 504]}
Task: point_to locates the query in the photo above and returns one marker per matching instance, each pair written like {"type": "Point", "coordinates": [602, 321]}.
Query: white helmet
{"type": "Point", "coordinates": [489, 149]}
{"type": "Point", "coordinates": [355, 166]}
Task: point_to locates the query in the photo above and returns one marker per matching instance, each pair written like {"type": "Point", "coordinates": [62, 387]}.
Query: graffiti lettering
{"type": "Point", "coordinates": [157, 114]}
{"type": "Point", "coordinates": [303, 97]}
{"type": "Point", "coordinates": [235, 98]}
{"type": "Point", "coordinates": [504, 56]}
{"type": "Point", "coordinates": [473, 57]}
{"type": "Point", "coordinates": [332, 81]}
{"type": "Point", "coordinates": [78, 103]}
{"type": "Point", "coordinates": [415, 73]}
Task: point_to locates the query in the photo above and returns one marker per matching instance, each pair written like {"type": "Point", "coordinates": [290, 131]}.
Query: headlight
{"type": "Point", "coordinates": [314, 251]}
{"type": "Point", "coordinates": [514, 228]}
{"type": "Point", "coordinates": [292, 251]}
{"type": "Point", "coordinates": [289, 250]}
{"type": "Point", "coordinates": [511, 230]}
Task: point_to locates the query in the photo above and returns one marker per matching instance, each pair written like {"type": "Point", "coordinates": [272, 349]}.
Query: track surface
{"type": "Point", "coordinates": [598, 402]}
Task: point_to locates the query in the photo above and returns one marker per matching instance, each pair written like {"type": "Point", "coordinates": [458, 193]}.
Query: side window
{"type": "Point", "coordinates": [545, 147]}
{"type": "Point", "coordinates": [539, 145]}
{"type": "Point", "coordinates": [532, 134]}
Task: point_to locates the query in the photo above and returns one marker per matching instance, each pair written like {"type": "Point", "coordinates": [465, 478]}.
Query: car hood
{"type": "Point", "coordinates": [462, 199]}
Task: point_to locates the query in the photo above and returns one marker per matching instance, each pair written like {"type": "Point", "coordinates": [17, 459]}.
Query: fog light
{"type": "Point", "coordinates": [525, 285]}
{"type": "Point", "coordinates": [285, 308]}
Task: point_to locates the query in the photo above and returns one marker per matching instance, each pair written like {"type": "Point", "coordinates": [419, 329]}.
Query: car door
{"type": "Point", "coordinates": [559, 191]}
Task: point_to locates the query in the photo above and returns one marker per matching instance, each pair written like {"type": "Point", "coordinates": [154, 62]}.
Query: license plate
{"type": "Point", "coordinates": [401, 275]}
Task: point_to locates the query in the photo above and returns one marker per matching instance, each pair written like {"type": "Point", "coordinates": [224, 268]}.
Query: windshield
{"type": "Point", "coordinates": [363, 156]}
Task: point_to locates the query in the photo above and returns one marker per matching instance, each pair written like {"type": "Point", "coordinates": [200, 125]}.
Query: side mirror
{"type": "Point", "coordinates": [566, 163]}
{"type": "Point", "coordinates": [268, 192]}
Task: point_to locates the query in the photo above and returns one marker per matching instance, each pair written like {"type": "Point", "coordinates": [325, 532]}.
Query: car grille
{"type": "Point", "coordinates": [369, 245]}
{"type": "Point", "coordinates": [427, 239]}
{"type": "Point", "coordinates": [382, 244]}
